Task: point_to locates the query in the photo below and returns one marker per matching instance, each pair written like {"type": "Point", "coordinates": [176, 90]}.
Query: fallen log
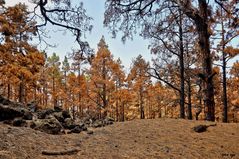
{"type": "Point", "coordinates": [62, 152]}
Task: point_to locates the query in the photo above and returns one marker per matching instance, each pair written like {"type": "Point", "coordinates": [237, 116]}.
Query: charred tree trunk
{"type": "Point", "coordinates": [225, 108]}
{"type": "Point", "coordinates": [159, 110]}
{"type": "Point", "coordinates": [104, 94]}
{"type": "Point", "coordinates": [181, 59]}
{"type": "Point", "coordinates": [117, 111]}
{"type": "Point", "coordinates": [141, 104]}
{"type": "Point", "coordinates": [190, 117]}
{"type": "Point", "coordinates": [122, 118]}
{"type": "Point", "coordinates": [8, 91]}
{"type": "Point", "coordinates": [200, 17]}
{"type": "Point", "coordinates": [45, 97]}
{"type": "Point", "coordinates": [21, 91]}
{"type": "Point", "coordinates": [79, 94]}
{"type": "Point", "coordinates": [224, 76]}
{"type": "Point", "coordinates": [204, 45]}
{"type": "Point", "coordinates": [54, 93]}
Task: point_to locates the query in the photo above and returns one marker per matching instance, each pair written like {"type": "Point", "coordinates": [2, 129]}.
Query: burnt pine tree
{"type": "Point", "coordinates": [132, 14]}
{"type": "Point", "coordinates": [227, 33]}
{"type": "Point", "coordinates": [171, 39]}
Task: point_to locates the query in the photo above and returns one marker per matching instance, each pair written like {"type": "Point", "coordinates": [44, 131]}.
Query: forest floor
{"type": "Point", "coordinates": [139, 139]}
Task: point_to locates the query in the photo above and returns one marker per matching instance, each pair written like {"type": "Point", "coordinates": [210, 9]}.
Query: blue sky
{"type": "Point", "coordinates": [95, 8]}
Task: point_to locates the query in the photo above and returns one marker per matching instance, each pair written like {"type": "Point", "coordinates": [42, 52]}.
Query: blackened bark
{"type": "Point", "coordinates": [141, 103]}
{"type": "Point", "coordinates": [104, 94]}
{"type": "Point", "coordinates": [54, 91]}
{"type": "Point", "coordinates": [190, 117]}
{"type": "Point", "coordinates": [224, 76]}
{"type": "Point", "coordinates": [181, 59]}
{"type": "Point", "coordinates": [122, 117]}
{"type": "Point", "coordinates": [8, 91]}
{"type": "Point", "coordinates": [200, 17]}
{"type": "Point", "coordinates": [21, 91]}
{"type": "Point", "coordinates": [224, 90]}
{"type": "Point", "coordinates": [204, 45]}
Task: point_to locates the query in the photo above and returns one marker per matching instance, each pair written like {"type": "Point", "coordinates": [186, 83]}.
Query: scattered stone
{"type": "Point", "coordinates": [42, 114]}
{"type": "Point", "coordinates": [202, 128]}
{"type": "Point", "coordinates": [59, 116]}
{"type": "Point", "coordinates": [89, 132]}
{"type": "Point", "coordinates": [4, 101]}
{"type": "Point", "coordinates": [19, 122]}
{"type": "Point", "coordinates": [50, 126]}
{"type": "Point", "coordinates": [32, 106]}
{"type": "Point", "coordinates": [77, 130]}
{"type": "Point", "coordinates": [66, 114]}
{"type": "Point", "coordinates": [69, 123]}
{"type": "Point", "coordinates": [8, 122]}
{"type": "Point", "coordinates": [28, 115]}
{"type": "Point", "coordinates": [108, 121]}
{"type": "Point", "coordinates": [58, 109]}
{"type": "Point", "coordinates": [97, 124]}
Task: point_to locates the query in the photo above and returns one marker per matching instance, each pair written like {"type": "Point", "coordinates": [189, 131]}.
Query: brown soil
{"type": "Point", "coordinates": [156, 138]}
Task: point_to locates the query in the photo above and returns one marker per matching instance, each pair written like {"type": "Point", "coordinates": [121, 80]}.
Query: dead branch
{"type": "Point", "coordinates": [63, 152]}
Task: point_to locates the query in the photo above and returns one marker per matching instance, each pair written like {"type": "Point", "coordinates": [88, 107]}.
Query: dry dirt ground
{"type": "Point", "coordinates": [138, 139]}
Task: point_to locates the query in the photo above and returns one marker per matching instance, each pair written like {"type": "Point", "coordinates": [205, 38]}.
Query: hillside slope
{"type": "Point", "coordinates": [156, 138]}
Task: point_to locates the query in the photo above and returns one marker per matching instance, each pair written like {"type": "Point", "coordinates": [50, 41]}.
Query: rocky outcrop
{"type": "Point", "coordinates": [9, 112]}
{"type": "Point", "coordinates": [50, 126]}
{"type": "Point", "coordinates": [48, 120]}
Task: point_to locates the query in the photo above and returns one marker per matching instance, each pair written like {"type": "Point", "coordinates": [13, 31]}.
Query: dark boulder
{"type": "Point", "coordinates": [108, 121]}
{"type": "Point", "coordinates": [58, 116]}
{"type": "Point", "coordinates": [66, 114]}
{"type": "Point", "coordinates": [42, 114]}
{"type": "Point", "coordinates": [7, 112]}
{"type": "Point", "coordinates": [97, 124]}
{"type": "Point", "coordinates": [5, 101]}
{"type": "Point", "coordinates": [58, 109]}
{"type": "Point", "coordinates": [19, 122]}
{"type": "Point", "coordinates": [200, 128]}
{"type": "Point", "coordinates": [50, 126]}
{"type": "Point", "coordinates": [79, 128]}
{"type": "Point", "coordinates": [90, 132]}
{"type": "Point", "coordinates": [32, 106]}
{"type": "Point", "coordinates": [27, 115]}
{"type": "Point", "coordinates": [69, 123]}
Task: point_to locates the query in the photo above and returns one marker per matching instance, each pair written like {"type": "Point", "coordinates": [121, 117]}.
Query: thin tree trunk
{"type": "Point", "coordinates": [122, 112]}
{"type": "Point", "coordinates": [54, 95]}
{"type": "Point", "coordinates": [117, 110]}
{"type": "Point", "coordinates": [8, 91]}
{"type": "Point", "coordinates": [159, 110]}
{"type": "Point", "coordinates": [189, 100]}
{"type": "Point", "coordinates": [224, 75]}
{"type": "Point", "coordinates": [21, 91]}
{"type": "Point", "coordinates": [45, 97]}
{"type": "Point", "coordinates": [181, 58]}
{"type": "Point", "coordinates": [141, 104]}
{"type": "Point", "coordinates": [35, 92]}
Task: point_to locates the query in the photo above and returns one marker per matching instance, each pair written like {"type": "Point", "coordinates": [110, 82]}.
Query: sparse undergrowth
{"type": "Point", "coordinates": [155, 138]}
